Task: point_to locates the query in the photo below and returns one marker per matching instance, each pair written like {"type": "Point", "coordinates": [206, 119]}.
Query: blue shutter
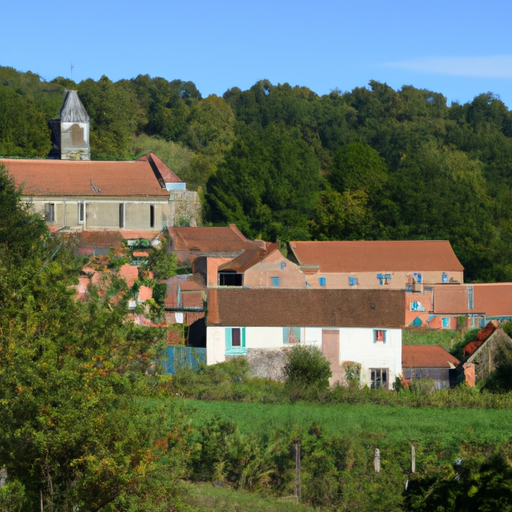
{"type": "Point", "coordinates": [275, 281]}
{"type": "Point", "coordinates": [321, 281]}
{"type": "Point", "coordinates": [228, 338]}
{"type": "Point", "coordinates": [286, 334]}
{"type": "Point", "coordinates": [384, 334]}
{"type": "Point", "coordinates": [296, 332]}
{"type": "Point", "coordinates": [242, 336]}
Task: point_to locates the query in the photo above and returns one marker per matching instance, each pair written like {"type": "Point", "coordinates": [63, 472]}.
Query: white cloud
{"type": "Point", "coordinates": [494, 66]}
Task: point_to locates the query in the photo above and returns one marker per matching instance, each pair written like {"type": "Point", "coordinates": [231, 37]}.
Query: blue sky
{"type": "Point", "coordinates": [457, 48]}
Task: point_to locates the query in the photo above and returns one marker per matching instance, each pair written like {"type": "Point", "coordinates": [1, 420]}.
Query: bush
{"type": "Point", "coordinates": [307, 367]}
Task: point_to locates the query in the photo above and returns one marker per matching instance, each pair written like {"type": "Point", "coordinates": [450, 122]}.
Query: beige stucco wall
{"type": "Point", "coordinates": [104, 214]}
{"type": "Point", "coordinates": [368, 280]}
{"type": "Point", "coordinates": [260, 275]}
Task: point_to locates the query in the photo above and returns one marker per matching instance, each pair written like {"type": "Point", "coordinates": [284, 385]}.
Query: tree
{"type": "Point", "coordinates": [307, 367]}
{"type": "Point", "coordinates": [76, 433]}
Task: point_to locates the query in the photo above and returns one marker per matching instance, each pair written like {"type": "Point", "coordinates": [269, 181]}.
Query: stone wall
{"type": "Point", "coordinates": [268, 363]}
{"type": "Point", "coordinates": [184, 208]}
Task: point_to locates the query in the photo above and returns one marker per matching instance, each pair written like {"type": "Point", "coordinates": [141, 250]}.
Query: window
{"type": "Point", "coordinates": [283, 265]}
{"type": "Point", "coordinates": [379, 335]}
{"type": "Point", "coordinates": [49, 212]}
{"type": "Point", "coordinates": [151, 216]}
{"type": "Point", "coordinates": [418, 277]}
{"type": "Point", "coordinates": [121, 215]}
{"type": "Point", "coordinates": [446, 323]}
{"type": "Point", "coordinates": [81, 212]}
{"type": "Point", "coordinates": [384, 278]}
{"type": "Point", "coordinates": [291, 335]}
{"type": "Point", "coordinates": [275, 282]}
{"type": "Point", "coordinates": [379, 378]}
{"type": "Point", "coordinates": [321, 281]}
{"type": "Point", "coordinates": [444, 278]}
{"type": "Point", "coordinates": [417, 306]}
{"type": "Point", "coordinates": [353, 281]}
{"type": "Point", "coordinates": [235, 341]}
{"type": "Point", "coordinates": [230, 278]}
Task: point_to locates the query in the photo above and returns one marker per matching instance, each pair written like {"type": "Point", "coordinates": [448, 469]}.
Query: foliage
{"type": "Point", "coordinates": [307, 367]}
{"type": "Point", "coordinates": [74, 431]}
{"type": "Point", "coordinates": [162, 265]}
{"type": "Point", "coordinates": [283, 163]}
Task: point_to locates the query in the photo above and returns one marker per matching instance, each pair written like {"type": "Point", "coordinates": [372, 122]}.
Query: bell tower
{"type": "Point", "coordinates": [71, 131]}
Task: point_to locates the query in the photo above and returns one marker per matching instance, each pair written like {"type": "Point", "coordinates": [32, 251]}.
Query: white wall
{"type": "Point", "coordinates": [356, 344]}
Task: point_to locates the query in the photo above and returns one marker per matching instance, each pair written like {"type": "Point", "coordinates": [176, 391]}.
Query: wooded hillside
{"type": "Point", "coordinates": [284, 163]}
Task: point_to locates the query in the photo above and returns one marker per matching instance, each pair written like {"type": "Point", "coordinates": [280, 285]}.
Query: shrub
{"type": "Point", "coordinates": [307, 367]}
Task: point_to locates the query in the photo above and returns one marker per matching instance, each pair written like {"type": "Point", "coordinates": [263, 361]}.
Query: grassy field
{"type": "Point", "coordinates": [391, 424]}
{"type": "Point", "coordinates": [208, 497]}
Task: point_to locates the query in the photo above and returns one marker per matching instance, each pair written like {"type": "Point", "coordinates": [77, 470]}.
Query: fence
{"type": "Point", "coordinates": [178, 357]}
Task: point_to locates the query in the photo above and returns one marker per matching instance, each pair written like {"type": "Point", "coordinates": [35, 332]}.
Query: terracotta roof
{"type": "Point", "coordinates": [210, 239]}
{"type": "Point", "coordinates": [494, 298]}
{"type": "Point", "coordinates": [376, 256]}
{"type": "Point", "coordinates": [293, 307]}
{"type": "Point", "coordinates": [85, 178]}
{"type": "Point", "coordinates": [450, 299]}
{"type": "Point", "coordinates": [427, 356]}
{"type": "Point", "coordinates": [91, 238]}
{"type": "Point", "coordinates": [130, 273]}
{"type": "Point", "coordinates": [167, 175]}
{"type": "Point", "coordinates": [191, 291]}
{"type": "Point", "coordinates": [481, 337]}
{"type": "Point", "coordinates": [249, 258]}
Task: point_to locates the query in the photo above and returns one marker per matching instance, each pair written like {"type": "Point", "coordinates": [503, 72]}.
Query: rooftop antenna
{"type": "Point", "coordinates": [72, 70]}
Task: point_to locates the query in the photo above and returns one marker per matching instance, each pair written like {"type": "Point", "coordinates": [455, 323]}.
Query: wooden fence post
{"type": "Point", "coordinates": [377, 460]}
{"type": "Point", "coordinates": [297, 470]}
{"type": "Point", "coordinates": [413, 458]}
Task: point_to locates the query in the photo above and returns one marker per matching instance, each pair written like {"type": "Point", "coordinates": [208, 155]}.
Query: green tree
{"type": "Point", "coordinates": [307, 367]}
{"type": "Point", "coordinates": [75, 432]}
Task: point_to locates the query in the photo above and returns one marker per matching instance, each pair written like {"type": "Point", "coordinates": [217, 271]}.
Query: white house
{"type": "Point", "coordinates": [361, 326]}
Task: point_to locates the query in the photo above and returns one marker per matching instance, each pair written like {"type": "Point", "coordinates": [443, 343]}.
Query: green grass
{"type": "Point", "coordinates": [430, 337]}
{"type": "Point", "coordinates": [392, 424]}
{"type": "Point", "coordinates": [207, 497]}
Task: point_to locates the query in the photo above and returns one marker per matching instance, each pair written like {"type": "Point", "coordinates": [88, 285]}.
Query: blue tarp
{"type": "Point", "coordinates": [183, 356]}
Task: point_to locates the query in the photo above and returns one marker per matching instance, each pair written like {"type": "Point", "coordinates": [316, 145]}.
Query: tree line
{"type": "Point", "coordinates": [284, 163]}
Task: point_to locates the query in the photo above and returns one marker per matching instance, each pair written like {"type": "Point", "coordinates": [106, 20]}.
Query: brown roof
{"type": "Point", "coordinates": [293, 307]}
{"type": "Point", "coordinates": [427, 356]}
{"type": "Point", "coordinates": [210, 239]}
{"type": "Point", "coordinates": [85, 178]}
{"type": "Point", "coordinates": [249, 258]}
{"type": "Point", "coordinates": [109, 238]}
{"type": "Point", "coordinates": [192, 290]}
{"type": "Point", "coordinates": [377, 256]}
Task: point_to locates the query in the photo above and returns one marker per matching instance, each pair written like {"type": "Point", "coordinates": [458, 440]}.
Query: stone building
{"type": "Point", "coordinates": [70, 133]}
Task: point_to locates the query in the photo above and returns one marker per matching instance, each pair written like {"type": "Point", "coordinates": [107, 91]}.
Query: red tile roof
{"type": "Point", "coordinates": [376, 256]}
{"type": "Point", "coordinates": [210, 239]}
{"type": "Point", "coordinates": [450, 299]}
{"type": "Point", "coordinates": [130, 273]}
{"type": "Point", "coordinates": [293, 307]}
{"type": "Point", "coordinates": [494, 298]}
{"type": "Point", "coordinates": [249, 258]}
{"type": "Point", "coordinates": [427, 356]}
{"type": "Point", "coordinates": [86, 178]}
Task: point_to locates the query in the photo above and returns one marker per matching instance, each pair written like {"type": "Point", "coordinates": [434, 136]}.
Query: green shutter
{"type": "Point", "coordinates": [228, 338]}
{"type": "Point", "coordinates": [286, 334]}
